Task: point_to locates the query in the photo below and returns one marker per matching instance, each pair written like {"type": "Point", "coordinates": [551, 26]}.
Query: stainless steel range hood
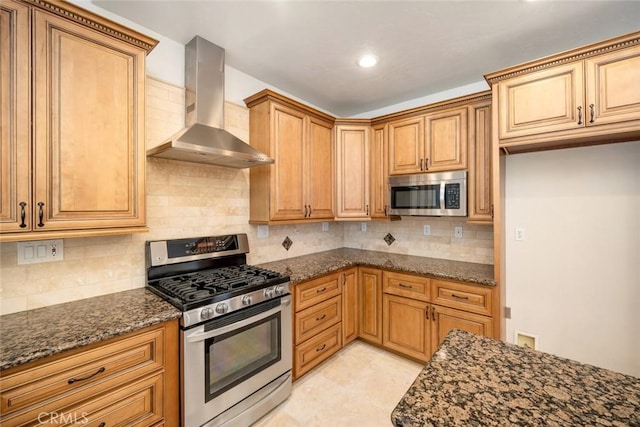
{"type": "Point", "coordinates": [204, 139]}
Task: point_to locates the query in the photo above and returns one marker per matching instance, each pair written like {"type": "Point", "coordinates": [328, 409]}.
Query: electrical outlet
{"type": "Point", "coordinates": [458, 232]}
{"type": "Point", "coordinates": [519, 233]}
{"type": "Point", "coordinates": [426, 230]}
{"type": "Point", "coordinates": [525, 339]}
{"type": "Point", "coordinates": [38, 251]}
{"type": "Point", "coordinates": [325, 226]}
{"type": "Point", "coordinates": [363, 226]}
{"type": "Point", "coordinates": [263, 231]}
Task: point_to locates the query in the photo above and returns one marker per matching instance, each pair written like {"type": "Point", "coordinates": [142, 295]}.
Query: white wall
{"type": "Point", "coordinates": [575, 279]}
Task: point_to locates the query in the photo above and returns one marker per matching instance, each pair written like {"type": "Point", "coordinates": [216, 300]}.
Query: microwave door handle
{"type": "Point", "coordinates": [442, 187]}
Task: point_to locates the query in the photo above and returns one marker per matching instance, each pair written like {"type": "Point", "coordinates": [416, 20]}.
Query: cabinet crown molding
{"type": "Point", "coordinates": [269, 95]}
{"type": "Point", "coordinates": [89, 19]}
{"type": "Point", "coordinates": [572, 55]}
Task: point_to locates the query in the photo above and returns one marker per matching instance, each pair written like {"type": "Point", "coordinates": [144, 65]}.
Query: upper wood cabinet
{"type": "Point", "coordinates": [352, 170]}
{"type": "Point", "coordinates": [480, 194]}
{"type": "Point", "coordinates": [298, 187]}
{"type": "Point", "coordinates": [585, 96]}
{"type": "Point", "coordinates": [73, 140]}
{"type": "Point", "coordinates": [379, 167]}
{"type": "Point", "coordinates": [429, 143]}
{"type": "Point", "coordinates": [79, 168]}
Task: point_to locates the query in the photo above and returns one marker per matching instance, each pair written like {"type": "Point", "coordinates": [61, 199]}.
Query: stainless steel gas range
{"type": "Point", "coordinates": [235, 332]}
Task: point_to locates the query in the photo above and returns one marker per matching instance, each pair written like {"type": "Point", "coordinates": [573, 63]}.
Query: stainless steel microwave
{"type": "Point", "coordinates": [429, 194]}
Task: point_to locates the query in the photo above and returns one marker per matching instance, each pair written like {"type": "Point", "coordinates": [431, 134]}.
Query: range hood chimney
{"type": "Point", "coordinates": [204, 139]}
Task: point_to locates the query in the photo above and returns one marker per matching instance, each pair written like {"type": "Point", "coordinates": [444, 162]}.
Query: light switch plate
{"type": "Point", "coordinates": [363, 226]}
{"type": "Point", "coordinates": [325, 226]}
{"type": "Point", "coordinates": [426, 230]}
{"type": "Point", "coordinates": [37, 251]}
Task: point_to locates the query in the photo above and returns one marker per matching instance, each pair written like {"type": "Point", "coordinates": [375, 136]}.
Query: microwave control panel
{"type": "Point", "coordinates": [452, 196]}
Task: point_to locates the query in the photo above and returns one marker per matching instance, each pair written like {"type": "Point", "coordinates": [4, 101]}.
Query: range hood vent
{"type": "Point", "coordinates": [204, 139]}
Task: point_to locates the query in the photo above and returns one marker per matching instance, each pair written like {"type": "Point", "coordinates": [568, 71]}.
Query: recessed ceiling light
{"type": "Point", "coordinates": [367, 60]}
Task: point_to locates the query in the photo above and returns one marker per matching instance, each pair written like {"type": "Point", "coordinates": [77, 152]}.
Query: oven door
{"type": "Point", "coordinates": [232, 357]}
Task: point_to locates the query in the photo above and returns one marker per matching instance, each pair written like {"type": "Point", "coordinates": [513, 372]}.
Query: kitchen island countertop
{"type": "Point", "coordinates": [30, 335]}
{"type": "Point", "coordinates": [307, 267]}
{"type": "Point", "coordinates": [478, 381]}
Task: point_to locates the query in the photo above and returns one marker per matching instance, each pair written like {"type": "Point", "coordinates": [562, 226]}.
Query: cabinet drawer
{"type": "Point", "coordinates": [476, 299]}
{"type": "Point", "coordinates": [317, 318]}
{"type": "Point", "coordinates": [136, 405]}
{"type": "Point", "coordinates": [317, 349]}
{"type": "Point", "coordinates": [82, 375]}
{"type": "Point", "coordinates": [317, 290]}
{"type": "Point", "coordinates": [406, 285]}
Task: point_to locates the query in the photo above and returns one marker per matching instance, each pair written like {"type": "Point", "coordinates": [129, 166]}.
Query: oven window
{"type": "Point", "coordinates": [416, 197]}
{"type": "Point", "coordinates": [233, 357]}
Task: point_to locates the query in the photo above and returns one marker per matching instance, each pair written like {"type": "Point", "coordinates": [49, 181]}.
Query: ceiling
{"type": "Point", "coordinates": [310, 48]}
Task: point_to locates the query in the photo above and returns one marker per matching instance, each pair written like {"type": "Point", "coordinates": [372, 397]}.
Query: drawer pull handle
{"type": "Point", "coordinates": [321, 290]}
{"type": "Point", "coordinates": [319, 349]}
{"type": "Point", "coordinates": [402, 285]}
{"type": "Point", "coordinates": [321, 318]}
{"type": "Point", "coordinates": [459, 297]}
{"type": "Point", "coordinates": [99, 371]}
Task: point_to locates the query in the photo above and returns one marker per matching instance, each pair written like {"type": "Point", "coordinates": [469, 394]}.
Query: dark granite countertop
{"type": "Point", "coordinates": [478, 381]}
{"type": "Point", "coordinates": [34, 334]}
{"type": "Point", "coordinates": [308, 267]}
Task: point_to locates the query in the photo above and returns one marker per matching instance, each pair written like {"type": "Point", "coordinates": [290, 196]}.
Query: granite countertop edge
{"type": "Point", "coordinates": [309, 267]}
{"type": "Point", "coordinates": [35, 334]}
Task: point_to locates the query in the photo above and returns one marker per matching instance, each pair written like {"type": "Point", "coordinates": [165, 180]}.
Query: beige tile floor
{"type": "Point", "coordinates": [358, 386]}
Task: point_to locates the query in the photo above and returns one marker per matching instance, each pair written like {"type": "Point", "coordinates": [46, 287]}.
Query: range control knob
{"type": "Point", "coordinates": [246, 300]}
{"type": "Point", "coordinates": [206, 313]}
{"type": "Point", "coordinates": [268, 293]}
{"type": "Point", "coordinates": [279, 290]}
{"type": "Point", "coordinates": [222, 308]}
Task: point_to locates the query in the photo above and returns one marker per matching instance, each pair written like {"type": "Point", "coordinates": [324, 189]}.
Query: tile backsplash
{"type": "Point", "coordinates": [188, 199]}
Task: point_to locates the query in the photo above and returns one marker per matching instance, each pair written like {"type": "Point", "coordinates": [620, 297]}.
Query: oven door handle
{"type": "Point", "coordinates": [201, 335]}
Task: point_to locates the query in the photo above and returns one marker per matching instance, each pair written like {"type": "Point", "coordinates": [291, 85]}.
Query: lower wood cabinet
{"type": "Point", "coordinates": [445, 319]}
{"type": "Point", "coordinates": [370, 292]}
{"type": "Point", "coordinates": [408, 314]}
{"type": "Point", "coordinates": [350, 306]}
{"type": "Point", "coordinates": [126, 380]}
{"type": "Point", "coordinates": [406, 327]}
{"type": "Point", "coordinates": [317, 322]}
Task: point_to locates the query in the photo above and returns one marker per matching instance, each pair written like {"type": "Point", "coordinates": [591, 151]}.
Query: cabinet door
{"type": "Point", "coordinates": [613, 92]}
{"type": "Point", "coordinates": [540, 102]}
{"type": "Point", "coordinates": [370, 293]}
{"type": "Point", "coordinates": [480, 172]}
{"type": "Point", "coordinates": [287, 180]}
{"type": "Point", "coordinates": [89, 158]}
{"type": "Point", "coordinates": [15, 134]}
{"type": "Point", "coordinates": [446, 140]}
{"type": "Point", "coordinates": [406, 146]}
{"type": "Point", "coordinates": [406, 327]}
{"type": "Point", "coordinates": [319, 168]}
{"type": "Point", "coordinates": [379, 172]}
{"type": "Point", "coordinates": [349, 305]}
{"type": "Point", "coordinates": [352, 171]}
{"type": "Point", "coordinates": [446, 319]}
